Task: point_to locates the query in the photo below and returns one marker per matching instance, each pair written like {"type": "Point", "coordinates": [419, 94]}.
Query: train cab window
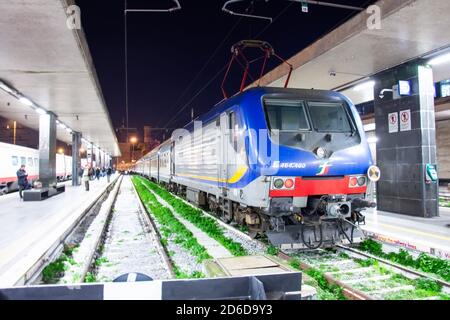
{"type": "Point", "coordinates": [234, 128]}
{"type": "Point", "coordinates": [15, 161]}
{"type": "Point", "coordinates": [23, 161]}
{"type": "Point", "coordinates": [329, 117]}
{"type": "Point", "coordinates": [286, 115]}
{"type": "Point", "coordinates": [30, 162]}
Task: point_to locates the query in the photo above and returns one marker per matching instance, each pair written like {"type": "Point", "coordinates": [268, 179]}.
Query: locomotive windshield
{"type": "Point", "coordinates": [309, 124]}
{"type": "Point", "coordinates": [284, 115]}
{"type": "Point", "coordinates": [329, 117]}
{"type": "Point", "coordinates": [287, 115]}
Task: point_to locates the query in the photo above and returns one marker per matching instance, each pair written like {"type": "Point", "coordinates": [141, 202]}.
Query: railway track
{"type": "Point", "coordinates": [119, 239]}
{"type": "Point", "coordinates": [149, 227]}
{"type": "Point", "coordinates": [366, 277]}
{"type": "Point", "coordinates": [360, 276]}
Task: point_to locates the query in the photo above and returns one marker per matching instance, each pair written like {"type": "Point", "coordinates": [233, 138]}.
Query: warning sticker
{"type": "Point", "coordinates": [393, 122]}
{"type": "Point", "coordinates": [405, 120]}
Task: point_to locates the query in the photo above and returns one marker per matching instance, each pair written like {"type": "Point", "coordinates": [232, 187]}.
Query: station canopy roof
{"type": "Point", "coordinates": [49, 63]}
{"type": "Point", "coordinates": [410, 29]}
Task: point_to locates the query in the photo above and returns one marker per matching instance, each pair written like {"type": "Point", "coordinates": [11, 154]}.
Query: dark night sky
{"type": "Point", "coordinates": [167, 50]}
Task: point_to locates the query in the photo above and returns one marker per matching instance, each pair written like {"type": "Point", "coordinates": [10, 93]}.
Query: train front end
{"type": "Point", "coordinates": [317, 169]}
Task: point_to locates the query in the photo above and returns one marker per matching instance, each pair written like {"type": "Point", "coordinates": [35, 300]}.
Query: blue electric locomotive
{"type": "Point", "coordinates": [289, 163]}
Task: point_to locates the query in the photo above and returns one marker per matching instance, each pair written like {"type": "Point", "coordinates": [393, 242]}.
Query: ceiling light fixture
{"type": "Point", "coordinates": [40, 110]}
{"type": "Point", "coordinates": [365, 86]}
{"type": "Point", "coordinates": [26, 101]}
{"type": "Point", "coordinates": [440, 60]}
{"type": "Point", "coordinates": [6, 88]}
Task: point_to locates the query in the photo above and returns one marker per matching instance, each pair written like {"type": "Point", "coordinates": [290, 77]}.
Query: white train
{"type": "Point", "coordinates": [13, 156]}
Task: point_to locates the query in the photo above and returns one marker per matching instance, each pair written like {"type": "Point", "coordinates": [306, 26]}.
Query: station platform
{"type": "Point", "coordinates": [421, 234]}
{"type": "Point", "coordinates": [29, 230]}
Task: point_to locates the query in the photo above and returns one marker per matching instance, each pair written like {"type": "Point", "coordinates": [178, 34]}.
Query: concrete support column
{"type": "Point", "coordinates": [97, 157]}
{"type": "Point", "coordinates": [47, 150]}
{"type": "Point", "coordinates": [102, 157]}
{"type": "Point", "coordinates": [92, 155]}
{"type": "Point", "coordinates": [405, 127]}
{"type": "Point", "coordinates": [76, 159]}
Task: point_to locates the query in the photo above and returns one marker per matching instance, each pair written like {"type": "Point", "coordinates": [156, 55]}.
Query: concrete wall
{"type": "Point", "coordinates": [443, 148]}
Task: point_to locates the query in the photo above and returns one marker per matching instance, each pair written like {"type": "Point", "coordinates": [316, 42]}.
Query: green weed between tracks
{"type": "Point", "coordinates": [424, 288]}
{"type": "Point", "coordinates": [196, 217]}
{"type": "Point", "coordinates": [330, 291]}
{"type": "Point", "coordinates": [424, 262]}
{"type": "Point", "coordinates": [171, 226]}
{"type": "Point", "coordinates": [55, 270]}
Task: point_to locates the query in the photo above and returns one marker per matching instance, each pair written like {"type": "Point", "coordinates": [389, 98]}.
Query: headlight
{"type": "Point", "coordinates": [321, 152]}
{"type": "Point", "coordinates": [374, 174]}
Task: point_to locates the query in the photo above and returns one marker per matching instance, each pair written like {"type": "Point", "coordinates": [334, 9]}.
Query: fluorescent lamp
{"type": "Point", "coordinates": [40, 110]}
{"type": "Point", "coordinates": [440, 59]}
{"type": "Point", "coordinates": [372, 140]}
{"type": "Point", "coordinates": [68, 130]}
{"type": "Point", "coordinates": [365, 86]}
{"type": "Point", "coordinates": [62, 126]}
{"type": "Point", "coordinates": [4, 87]}
{"type": "Point", "coordinates": [26, 101]}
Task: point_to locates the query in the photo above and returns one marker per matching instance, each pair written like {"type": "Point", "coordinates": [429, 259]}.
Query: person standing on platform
{"type": "Point", "coordinates": [97, 173]}
{"type": "Point", "coordinates": [86, 177]}
{"type": "Point", "coordinates": [22, 180]}
{"type": "Point", "coordinates": [108, 174]}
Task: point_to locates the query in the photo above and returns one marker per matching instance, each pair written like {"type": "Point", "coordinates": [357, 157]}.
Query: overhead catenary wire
{"type": "Point", "coordinates": [212, 56]}
{"type": "Point", "coordinates": [224, 67]}
{"type": "Point", "coordinates": [176, 7]}
{"type": "Point", "coordinates": [197, 94]}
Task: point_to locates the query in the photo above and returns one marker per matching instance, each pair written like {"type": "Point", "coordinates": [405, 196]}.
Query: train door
{"type": "Point", "coordinates": [172, 160]}
{"type": "Point", "coordinates": [158, 166]}
{"type": "Point", "coordinates": [222, 150]}
{"type": "Point", "coordinates": [231, 147]}
{"type": "Point", "coordinates": [228, 125]}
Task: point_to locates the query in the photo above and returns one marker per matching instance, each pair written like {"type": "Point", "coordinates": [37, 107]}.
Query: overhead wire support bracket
{"type": "Point", "coordinates": [176, 7]}
{"type": "Point", "coordinates": [226, 8]}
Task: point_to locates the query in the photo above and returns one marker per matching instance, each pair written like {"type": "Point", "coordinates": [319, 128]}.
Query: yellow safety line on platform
{"type": "Point", "coordinates": [413, 231]}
